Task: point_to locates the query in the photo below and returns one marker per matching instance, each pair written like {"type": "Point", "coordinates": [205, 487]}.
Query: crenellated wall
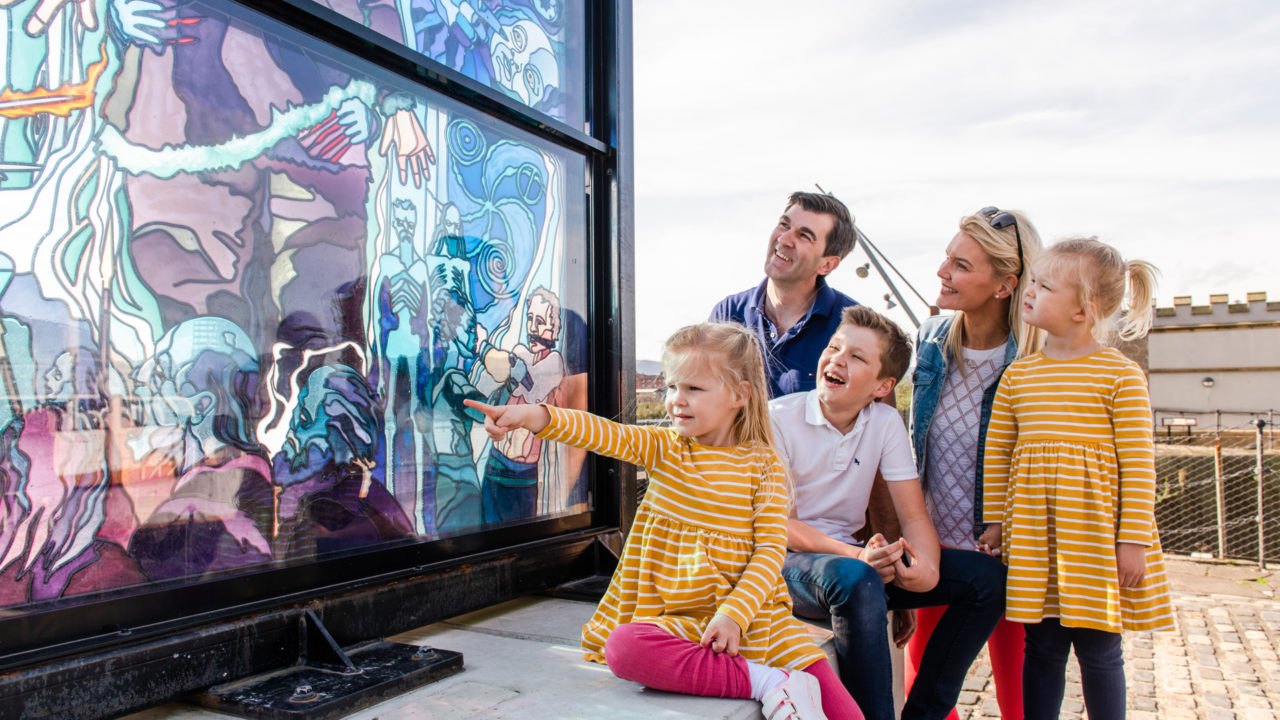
{"type": "Point", "coordinates": [1220, 309]}
{"type": "Point", "coordinates": [1218, 362]}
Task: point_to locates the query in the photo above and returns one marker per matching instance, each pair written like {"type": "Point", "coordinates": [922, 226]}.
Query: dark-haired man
{"type": "Point", "coordinates": [793, 311]}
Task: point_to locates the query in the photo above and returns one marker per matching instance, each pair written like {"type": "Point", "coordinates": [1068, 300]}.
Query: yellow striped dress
{"type": "Point", "coordinates": [1070, 471]}
{"type": "Point", "coordinates": [708, 539]}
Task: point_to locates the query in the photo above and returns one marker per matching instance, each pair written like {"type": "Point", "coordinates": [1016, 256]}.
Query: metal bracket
{"type": "Point", "coordinates": [330, 681]}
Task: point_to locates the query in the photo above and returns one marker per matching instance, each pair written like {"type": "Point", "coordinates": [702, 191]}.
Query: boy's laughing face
{"type": "Point", "coordinates": [849, 370]}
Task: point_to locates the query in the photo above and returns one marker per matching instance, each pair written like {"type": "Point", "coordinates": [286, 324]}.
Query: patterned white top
{"type": "Point", "coordinates": [953, 445]}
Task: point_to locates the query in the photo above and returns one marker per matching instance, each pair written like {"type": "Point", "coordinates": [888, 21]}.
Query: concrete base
{"type": "Point", "coordinates": [524, 660]}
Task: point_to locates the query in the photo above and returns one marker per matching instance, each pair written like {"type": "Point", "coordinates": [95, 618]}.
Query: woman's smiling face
{"type": "Point", "coordinates": [968, 278]}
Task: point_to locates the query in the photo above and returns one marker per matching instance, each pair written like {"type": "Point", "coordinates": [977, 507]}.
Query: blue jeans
{"type": "Point", "coordinates": [849, 593]}
{"type": "Point", "coordinates": [1044, 671]}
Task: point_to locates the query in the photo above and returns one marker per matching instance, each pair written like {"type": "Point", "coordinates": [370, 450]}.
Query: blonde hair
{"type": "Point", "coordinates": [731, 353]}
{"type": "Point", "coordinates": [1101, 276]}
{"type": "Point", "coordinates": [1001, 247]}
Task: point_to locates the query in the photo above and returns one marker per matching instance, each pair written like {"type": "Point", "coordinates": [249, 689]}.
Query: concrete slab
{"type": "Point", "coordinates": [522, 660]}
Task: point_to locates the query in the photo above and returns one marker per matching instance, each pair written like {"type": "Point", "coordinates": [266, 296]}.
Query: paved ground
{"type": "Point", "coordinates": [523, 661]}
{"type": "Point", "coordinates": [1222, 663]}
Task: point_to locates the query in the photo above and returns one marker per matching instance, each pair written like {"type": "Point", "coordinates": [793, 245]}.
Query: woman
{"type": "Point", "coordinates": [959, 360]}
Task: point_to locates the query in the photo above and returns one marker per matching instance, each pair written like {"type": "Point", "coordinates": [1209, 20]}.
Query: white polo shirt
{"type": "Point", "coordinates": [833, 471]}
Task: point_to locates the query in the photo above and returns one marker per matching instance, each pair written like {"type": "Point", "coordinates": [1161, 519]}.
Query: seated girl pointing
{"type": "Point", "coordinates": [697, 604]}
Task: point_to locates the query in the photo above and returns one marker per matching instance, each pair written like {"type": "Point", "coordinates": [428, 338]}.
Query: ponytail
{"type": "Point", "coordinates": [1142, 289]}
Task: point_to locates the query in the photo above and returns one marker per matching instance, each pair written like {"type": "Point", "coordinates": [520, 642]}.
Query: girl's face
{"type": "Point", "coordinates": [968, 279]}
{"type": "Point", "coordinates": [702, 407]}
{"type": "Point", "coordinates": [1052, 303]}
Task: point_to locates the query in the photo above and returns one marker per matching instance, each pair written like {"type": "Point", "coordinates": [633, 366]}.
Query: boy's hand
{"type": "Point", "coordinates": [990, 541]}
{"type": "Point", "coordinates": [722, 635]}
{"type": "Point", "coordinates": [883, 556]}
{"type": "Point", "coordinates": [501, 419]}
{"type": "Point", "coordinates": [1131, 564]}
{"type": "Point", "coordinates": [910, 572]}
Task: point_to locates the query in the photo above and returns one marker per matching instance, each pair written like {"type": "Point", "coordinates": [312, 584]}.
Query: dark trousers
{"type": "Point", "coordinates": [851, 595]}
{"type": "Point", "coordinates": [1044, 671]}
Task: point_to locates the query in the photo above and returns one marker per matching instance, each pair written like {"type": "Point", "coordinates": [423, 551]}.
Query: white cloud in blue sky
{"type": "Point", "coordinates": [1150, 124]}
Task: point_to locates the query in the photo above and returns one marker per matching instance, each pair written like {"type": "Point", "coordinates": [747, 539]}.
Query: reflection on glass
{"type": "Point", "coordinates": [244, 289]}
{"type": "Point", "coordinates": [529, 50]}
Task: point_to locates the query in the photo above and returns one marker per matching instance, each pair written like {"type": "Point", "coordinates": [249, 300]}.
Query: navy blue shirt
{"type": "Point", "coordinates": [791, 359]}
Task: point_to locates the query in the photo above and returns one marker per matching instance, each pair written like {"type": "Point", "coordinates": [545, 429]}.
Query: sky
{"type": "Point", "coordinates": [1154, 125]}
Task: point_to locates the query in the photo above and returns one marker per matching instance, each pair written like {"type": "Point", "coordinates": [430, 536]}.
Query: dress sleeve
{"type": "Point", "coordinates": [760, 580]}
{"type": "Point", "coordinates": [1135, 454]}
{"type": "Point", "coordinates": [628, 443]}
{"type": "Point", "coordinates": [1002, 434]}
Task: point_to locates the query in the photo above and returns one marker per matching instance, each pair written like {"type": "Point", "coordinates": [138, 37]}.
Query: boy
{"type": "Point", "coordinates": [834, 438]}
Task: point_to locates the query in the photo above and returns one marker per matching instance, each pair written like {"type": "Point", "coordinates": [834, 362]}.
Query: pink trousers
{"type": "Point", "coordinates": [1004, 648]}
{"type": "Point", "coordinates": [651, 656]}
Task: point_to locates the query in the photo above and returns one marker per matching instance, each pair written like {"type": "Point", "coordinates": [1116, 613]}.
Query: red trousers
{"type": "Point", "coordinates": [651, 656]}
{"type": "Point", "coordinates": [1004, 648]}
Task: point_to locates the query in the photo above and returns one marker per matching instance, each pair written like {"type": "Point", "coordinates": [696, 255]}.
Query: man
{"type": "Point", "coordinates": [794, 312]}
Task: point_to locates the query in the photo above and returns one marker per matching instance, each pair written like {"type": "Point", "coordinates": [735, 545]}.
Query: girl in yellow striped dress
{"type": "Point", "coordinates": [1070, 480]}
{"type": "Point", "coordinates": [697, 604]}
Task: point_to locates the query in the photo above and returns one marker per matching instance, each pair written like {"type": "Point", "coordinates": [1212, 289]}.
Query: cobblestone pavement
{"type": "Point", "coordinates": [1221, 664]}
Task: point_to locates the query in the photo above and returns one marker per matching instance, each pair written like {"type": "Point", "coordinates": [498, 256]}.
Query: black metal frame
{"type": "Point", "coordinates": [127, 650]}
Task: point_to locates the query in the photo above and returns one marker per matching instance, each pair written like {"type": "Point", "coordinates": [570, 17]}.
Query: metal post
{"type": "Point", "coordinates": [1262, 546]}
{"type": "Point", "coordinates": [871, 251]}
{"type": "Point", "coordinates": [1219, 498]}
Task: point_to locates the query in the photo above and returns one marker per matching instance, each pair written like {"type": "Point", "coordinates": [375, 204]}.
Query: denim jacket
{"type": "Point", "coordinates": [930, 372]}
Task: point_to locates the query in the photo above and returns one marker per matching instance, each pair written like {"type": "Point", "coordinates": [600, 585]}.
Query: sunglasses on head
{"type": "Point", "coordinates": [1000, 219]}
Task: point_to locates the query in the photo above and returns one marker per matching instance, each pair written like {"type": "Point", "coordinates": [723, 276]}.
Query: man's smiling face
{"type": "Point", "coordinates": [798, 245]}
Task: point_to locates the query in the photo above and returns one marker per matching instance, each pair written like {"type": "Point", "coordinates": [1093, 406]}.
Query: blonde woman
{"type": "Point", "coordinates": [960, 357]}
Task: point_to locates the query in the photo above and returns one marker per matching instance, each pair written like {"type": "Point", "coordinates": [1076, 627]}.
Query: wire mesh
{"type": "Point", "coordinates": [1208, 500]}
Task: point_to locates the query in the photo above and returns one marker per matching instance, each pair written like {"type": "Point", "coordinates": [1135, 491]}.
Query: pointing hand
{"type": "Point", "coordinates": [501, 419]}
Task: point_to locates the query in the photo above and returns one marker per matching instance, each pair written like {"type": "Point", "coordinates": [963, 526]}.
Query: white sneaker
{"type": "Point", "coordinates": [799, 698]}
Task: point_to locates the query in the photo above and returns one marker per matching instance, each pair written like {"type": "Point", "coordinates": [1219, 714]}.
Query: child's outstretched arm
{"type": "Point", "coordinates": [501, 419]}
{"type": "Point", "coordinates": [1135, 454]}
{"type": "Point", "coordinates": [1002, 435]}
{"type": "Point", "coordinates": [629, 443]}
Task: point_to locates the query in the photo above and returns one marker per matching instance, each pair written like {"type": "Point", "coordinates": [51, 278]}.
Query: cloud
{"type": "Point", "coordinates": [1149, 124]}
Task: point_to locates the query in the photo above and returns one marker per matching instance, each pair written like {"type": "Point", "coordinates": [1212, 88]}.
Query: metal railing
{"type": "Point", "coordinates": [1218, 492]}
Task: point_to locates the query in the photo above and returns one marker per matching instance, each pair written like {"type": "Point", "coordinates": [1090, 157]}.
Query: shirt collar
{"type": "Point", "coordinates": [823, 303]}
{"type": "Point", "coordinates": [813, 416]}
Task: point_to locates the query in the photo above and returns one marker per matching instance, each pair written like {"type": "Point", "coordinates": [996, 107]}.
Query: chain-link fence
{"type": "Point", "coordinates": [1218, 491]}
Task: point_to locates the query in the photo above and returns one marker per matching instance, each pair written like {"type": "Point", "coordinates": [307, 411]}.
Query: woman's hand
{"type": "Point", "coordinates": [990, 541]}
{"type": "Point", "coordinates": [1131, 564]}
{"type": "Point", "coordinates": [501, 419]}
{"type": "Point", "coordinates": [722, 635]}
